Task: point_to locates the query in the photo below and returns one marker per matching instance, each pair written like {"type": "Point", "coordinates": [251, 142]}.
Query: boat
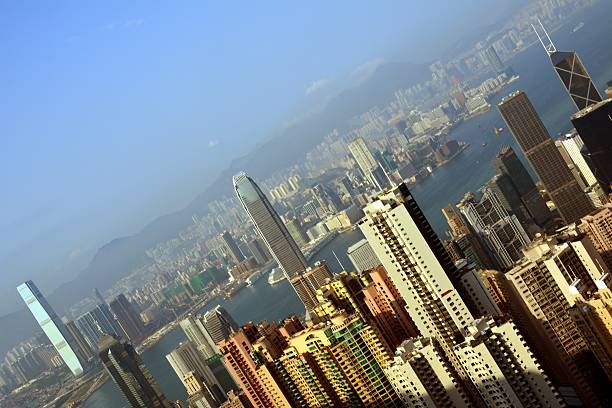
{"type": "Point", "coordinates": [497, 130]}
{"type": "Point", "coordinates": [484, 144]}
{"type": "Point", "coordinates": [277, 275]}
{"type": "Point", "coordinates": [234, 288]}
{"type": "Point", "coordinates": [578, 27]}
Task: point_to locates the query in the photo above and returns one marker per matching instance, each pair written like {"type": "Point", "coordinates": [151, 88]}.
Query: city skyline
{"type": "Point", "coordinates": [83, 43]}
{"type": "Point", "coordinates": [439, 248]}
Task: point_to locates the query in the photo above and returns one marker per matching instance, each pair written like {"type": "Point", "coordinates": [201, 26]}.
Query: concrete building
{"type": "Point", "coordinates": [313, 278]}
{"type": "Point", "coordinates": [198, 335]}
{"type": "Point", "coordinates": [502, 367]}
{"type": "Point", "coordinates": [362, 256]}
{"type": "Point", "coordinates": [189, 364]}
{"type": "Point", "coordinates": [598, 227]}
{"type": "Point", "coordinates": [388, 308]}
{"type": "Point", "coordinates": [533, 138]}
{"type": "Point", "coordinates": [219, 324]}
{"type": "Point", "coordinates": [231, 248]}
{"type": "Point", "coordinates": [422, 271]}
{"type": "Point", "coordinates": [502, 232]}
{"type": "Point", "coordinates": [546, 282]}
{"type": "Point", "coordinates": [594, 319]}
{"type": "Point", "coordinates": [423, 377]}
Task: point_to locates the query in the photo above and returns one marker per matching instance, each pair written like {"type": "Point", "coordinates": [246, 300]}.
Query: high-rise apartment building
{"type": "Point", "coordinates": [297, 232]}
{"type": "Point", "coordinates": [128, 318]}
{"type": "Point", "coordinates": [231, 248]}
{"type": "Point", "coordinates": [219, 324]}
{"type": "Point", "coordinates": [593, 316]}
{"type": "Point", "coordinates": [255, 381]}
{"type": "Point", "coordinates": [198, 335]}
{"type": "Point", "coordinates": [271, 228]}
{"type": "Point", "coordinates": [598, 227]}
{"type": "Point", "coordinates": [502, 232]}
{"type": "Point", "coordinates": [423, 377]}
{"type": "Point", "coordinates": [546, 282]}
{"type": "Point", "coordinates": [421, 270]}
{"type": "Point", "coordinates": [530, 133]}
{"type": "Point", "coordinates": [127, 370]}
{"type": "Point", "coordinates": [362, 256]}
{"type": "Point", "coordinates": [388, 308]}
{"type": "Point", "coordinates": [594, 125]}
{"type": "Point", "coordinates": [52, 326]}
{"type": "Point", "coordinates": [502, 367]}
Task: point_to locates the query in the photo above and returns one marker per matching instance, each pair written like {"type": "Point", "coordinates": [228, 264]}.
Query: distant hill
{"type": "Point", "coordinates": [119, 257]}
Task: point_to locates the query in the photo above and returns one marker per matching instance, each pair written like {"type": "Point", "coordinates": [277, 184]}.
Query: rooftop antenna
{"type": "Point", "coordinates": [544, 38]}
{"type": "Point", "coordinates": [338, 260]}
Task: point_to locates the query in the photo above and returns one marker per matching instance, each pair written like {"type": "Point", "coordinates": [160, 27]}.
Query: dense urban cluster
{"type": "Point", "coordinates": [512, 307]}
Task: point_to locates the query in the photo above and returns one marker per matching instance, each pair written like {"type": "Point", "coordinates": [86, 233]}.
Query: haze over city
{"type": "Point", "coordinates": [400, 204]}
{"type": "Point", "coordinates": [115, 114]}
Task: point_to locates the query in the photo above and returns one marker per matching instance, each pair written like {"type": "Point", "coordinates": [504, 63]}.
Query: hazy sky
{"type": "Point", "coordinates": [115, 112]}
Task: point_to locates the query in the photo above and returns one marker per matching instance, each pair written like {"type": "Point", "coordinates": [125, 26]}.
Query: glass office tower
{"type": "Point", "coordinates": [51, 325]}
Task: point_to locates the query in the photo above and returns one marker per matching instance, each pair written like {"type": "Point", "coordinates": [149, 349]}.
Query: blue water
{"type": "Point", "coordinates": [473, 168]}
{"type": "Point", "coordinates": [468, 172]}
{"type": "Point", "coordinates": [256, 303]}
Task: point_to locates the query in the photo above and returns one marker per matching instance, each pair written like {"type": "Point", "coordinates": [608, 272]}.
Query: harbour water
{"type": "Point", "coordinates": [470, 170]}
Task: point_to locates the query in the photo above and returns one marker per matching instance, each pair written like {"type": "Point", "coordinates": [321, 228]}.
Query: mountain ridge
{"type": "Point", "coordinates": [117, 258]}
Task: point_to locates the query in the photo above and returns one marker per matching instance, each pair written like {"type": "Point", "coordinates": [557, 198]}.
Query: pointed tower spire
{"type": "Point", "coordinates": [544, 38]}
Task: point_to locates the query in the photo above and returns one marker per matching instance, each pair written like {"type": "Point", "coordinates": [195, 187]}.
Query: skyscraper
{"type": "Point", "coordinates": [368, 164]}
{"type": "Point", "coordinates": [306, 284]}
{"type": "Point", "coordinates": [594, 125]}
{"type": "Point", "coordinates": [52, 326]}
{"type": "Point", "coordinates": [127, 370]}
{"type": "Point", "coordinates": [508, 165]}
{"type": "Point", "coordinates": [185, 360]}
{"type": "Point", "coordinates": [196, 332]}
{"type": "Point", "coordinates": [571, 72]}
{"type": "Point", "coordinates": [493, 59]}
{"type": "Point", "coordinates": [530, 133]}
{"type": "Point", "coordinates": [97, 322]}
{"type": "Point", "coordinates": [128, 318]}
{"type": "Point", "coordinates": [267, 222]}
{"type": "Point", "coordinates": [231, 248]}
{"type": "Point", "coordinates": [269, 225]}
{"type": "Point", "coordinates": [502, 232]}
{"type": "Point", "coordinates": [421, 270]}
{"type": "Point", "coordinates": [219, 324]}
{"type": "Point", "coordinates": [259, 250]}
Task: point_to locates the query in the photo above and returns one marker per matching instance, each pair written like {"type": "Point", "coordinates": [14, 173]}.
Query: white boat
{"type": "Point", "coordinates": [277, 275]}
{"type": "Point", "coordinates": [578, 27]}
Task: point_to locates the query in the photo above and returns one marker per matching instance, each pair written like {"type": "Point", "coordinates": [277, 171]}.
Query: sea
{"type": "Point", "coordinates": [468, 172]}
